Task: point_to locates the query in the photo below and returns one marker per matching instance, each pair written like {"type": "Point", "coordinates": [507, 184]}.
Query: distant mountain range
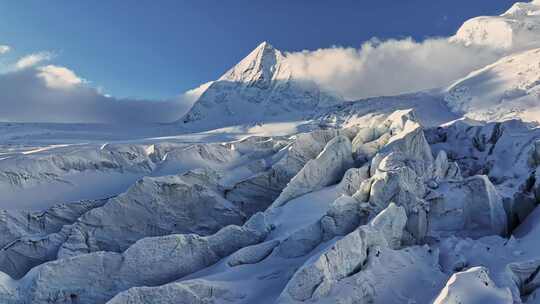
{"type": "Point", "coordinates": [263, 87]}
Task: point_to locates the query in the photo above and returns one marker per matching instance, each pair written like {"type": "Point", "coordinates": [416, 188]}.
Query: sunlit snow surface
{"type": "Point", "coordinates": [270, 191]}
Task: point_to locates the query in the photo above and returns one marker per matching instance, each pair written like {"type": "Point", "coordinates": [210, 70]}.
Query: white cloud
{"type": "Point", "coordinates": [56, 94]}
{"type": "Point", "coordinates": [191, 96]}
{"type": "Point", "coordinates": [33, 60]}
{"type": "Point", "coordinates": [58, 77]}
{"type": "Point", "coordinates": [4, 49]}
{"type": "Point", "coordinates": [390, 67]}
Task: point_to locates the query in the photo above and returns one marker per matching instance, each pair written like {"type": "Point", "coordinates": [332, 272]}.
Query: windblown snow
{"type": "Point", "coordinates": [270, 190]}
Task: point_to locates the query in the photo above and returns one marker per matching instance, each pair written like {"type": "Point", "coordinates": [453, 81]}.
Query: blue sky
{"type": "Point", "coordinates": [158, 49]}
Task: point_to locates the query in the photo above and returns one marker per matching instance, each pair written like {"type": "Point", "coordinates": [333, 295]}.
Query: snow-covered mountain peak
{"type": "Point", "coordinates": [392, 199]}
{"type": "Point", "coordinates": [516, 29]}
{"type": "Point", "coordinates": [523, 9]}
{"type": "Point", "coordinates": [261, 87]}
{"type": "Point", "coordinates": [257, 68]}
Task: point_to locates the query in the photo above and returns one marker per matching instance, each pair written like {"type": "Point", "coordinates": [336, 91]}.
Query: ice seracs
{"type": "Point", "coordinates": [470, 207]}
{"type": "Point", "coordinates": [473, 286]}
{"type": "Point", "coordinates": [31, 238]}
{"type": "Point", "coordinates": [197, 291]}
{"type": "Point", "coordinates": [324, 170]}
{"type": "Point", "coordinates": [429, 197]}
{"type": "Point", "coordinates": [196, 233]}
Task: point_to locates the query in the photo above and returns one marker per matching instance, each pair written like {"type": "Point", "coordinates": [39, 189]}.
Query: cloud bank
{"type": "Point", "coordinates": [391, 67]}
{"type": "Point", "coordinates": [56, 94]}
{"type": "Point", "coordinates": [33, 92]}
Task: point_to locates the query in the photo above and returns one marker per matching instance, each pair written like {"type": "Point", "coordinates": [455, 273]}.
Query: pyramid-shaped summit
{"type": "Point", "coordinates": [261, 87]}
{"type": "Point", "coordinates": [256, 68]}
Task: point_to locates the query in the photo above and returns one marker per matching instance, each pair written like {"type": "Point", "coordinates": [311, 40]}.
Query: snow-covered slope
{"type": "Point", "coordinates": [299, 197]}
{"type": "Point", "coordinates": [516, 29]}
{"type": "Point", "coordinates": [261, 87]}
{"type": "Point", "coordinates": [509, 88]}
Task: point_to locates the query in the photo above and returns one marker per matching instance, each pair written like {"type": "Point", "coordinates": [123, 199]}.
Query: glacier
{"type": "Point", "coordinates": [272, 190]}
